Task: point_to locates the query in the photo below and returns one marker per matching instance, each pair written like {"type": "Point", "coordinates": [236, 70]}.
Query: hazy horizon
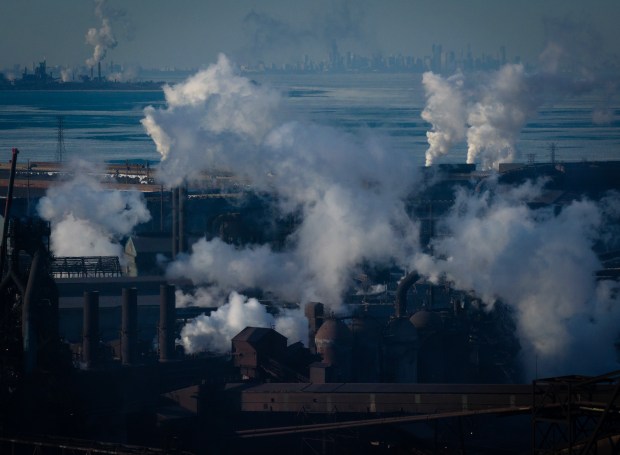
{"type": "Point", "coordinates": [191, 33]}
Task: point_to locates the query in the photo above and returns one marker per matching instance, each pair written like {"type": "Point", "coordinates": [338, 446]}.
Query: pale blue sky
{"type": "Point", "coordinates": [190, 33]}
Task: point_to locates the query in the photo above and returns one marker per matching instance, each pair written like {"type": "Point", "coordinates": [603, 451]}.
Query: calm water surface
{"type": "Point", "coordinates": [106, 125]}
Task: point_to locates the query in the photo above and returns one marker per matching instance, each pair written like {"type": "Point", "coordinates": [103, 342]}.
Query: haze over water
{"type": "Point", "coordinates": [105, 125]}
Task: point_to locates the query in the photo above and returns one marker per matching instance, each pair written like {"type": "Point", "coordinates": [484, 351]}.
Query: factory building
{"type": "Point", "coordinates": [90, 356]}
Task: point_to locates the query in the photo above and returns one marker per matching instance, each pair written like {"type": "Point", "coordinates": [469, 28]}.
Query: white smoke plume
{"type": "Point", "coordinates": [348, 190]}
{"type": "Point", "coordinates": [497, 117]}
{"type": "Point", "coordinates": [102, 39]}
{"type": "Point", "coordinates": [66, 74]}
{"type": "Point", "coordinates": [213, 333]}
{"type": "Point", "coordinates": [490, 113]}
{"type": "Point", "coordinates": [88, 220]}
{"type": "Point", "coordinates": [445, 111]}
{"type": "Point", "coordinates": [540, 263]}
{"type": "Point", "coordinates": [498, 104]}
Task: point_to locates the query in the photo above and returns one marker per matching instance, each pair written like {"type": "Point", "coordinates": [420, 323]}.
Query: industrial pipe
{"type": "Point", "coordinates": [167, 318]}
{"type": "Point", "coordinates": [175, 223]}
{"type": "Point", "coordinates": [29, 318]}
{"type": "Point", "coordinates": [400, 305]}
{"type": "Point", "coordinates": [129, 326]}
{"type": "Point", "coordinates": [90, 329]}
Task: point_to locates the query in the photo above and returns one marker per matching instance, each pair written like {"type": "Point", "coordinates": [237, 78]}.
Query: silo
{"type": "Point", "coordinates": [334, 343]}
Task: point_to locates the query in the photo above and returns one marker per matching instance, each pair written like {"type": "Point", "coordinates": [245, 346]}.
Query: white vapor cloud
{"type": "Point", "coordinates": [445, 110]}
{"type": "Point", "coordinates": [88, 220]}
{"type": "Point", "coordinates": [213, 333]}
{"type": "Point", "coordinates": [540, 263]}
{"type": "Point", "coordinates": [348, 190]}
{"type": "Point", "coordinates": [102, 39]}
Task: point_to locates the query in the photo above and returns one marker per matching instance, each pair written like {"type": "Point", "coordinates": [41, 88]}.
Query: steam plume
{"type": "Point", "coordinates": [102, 38]}
{"type": "Point", "coordinates": [497, 105]}
{"type": "Point", "coordinates": [497, 118]}
{"type": "Point", "coordinates": [214, 332]}
{"type": "Point", "coordinates": [87, 220]}
{"type": "Point", "coordinates": [445, 110]}
{"type": "Point", "coordinates": [540, 263]}
{"type": "Point", "coordinates": [348, 189]}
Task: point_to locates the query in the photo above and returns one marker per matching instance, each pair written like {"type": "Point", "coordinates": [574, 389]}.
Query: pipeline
{"type": "Point", "coordinates": [400, 305]}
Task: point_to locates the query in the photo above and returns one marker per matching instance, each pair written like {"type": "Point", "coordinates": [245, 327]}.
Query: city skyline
{"type": "Point", "coordinates": [190, 34]}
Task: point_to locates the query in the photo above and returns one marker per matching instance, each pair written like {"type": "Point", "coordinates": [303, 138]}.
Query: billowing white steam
{"type": "Point", "coordinates": [88, 220]}
{"type": "Point", "coordinates": [539, 263]}
{"type": "Point", "coordinates": [214, 332]}
{"type": "Point", "coordinates": [497, 117]}
{"type": "Point", "coordinates": [497, 105]}
{"type": "Point", "coordinates": [102, 39]}
{"type": "Point", "coordinates": [348, 190]}
{"type": "Point", "coordinates": [445, 111]}
{"type": "Point", "coordinates": [491, 114]}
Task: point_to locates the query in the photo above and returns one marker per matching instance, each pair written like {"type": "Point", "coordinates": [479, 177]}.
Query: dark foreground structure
{"type": "Point", "coordinates": [120, 385]}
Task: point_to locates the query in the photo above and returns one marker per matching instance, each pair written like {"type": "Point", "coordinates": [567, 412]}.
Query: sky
{"type": "Point", "coordinates": [191, 33]}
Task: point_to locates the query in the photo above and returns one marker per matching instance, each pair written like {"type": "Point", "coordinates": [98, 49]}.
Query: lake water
{"type": "Point", "coordinates": [106, 125]}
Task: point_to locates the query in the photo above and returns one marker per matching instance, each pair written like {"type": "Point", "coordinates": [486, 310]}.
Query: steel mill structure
{"type": "Point", "coordinates": [89, 362]}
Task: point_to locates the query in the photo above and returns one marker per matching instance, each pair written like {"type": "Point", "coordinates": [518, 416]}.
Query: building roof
{"type": "Point", "coordinates": [255, 334]}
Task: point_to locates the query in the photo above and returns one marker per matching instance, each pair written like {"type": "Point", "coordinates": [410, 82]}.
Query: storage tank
{"type": "Point", "coordinates": [335, 344]}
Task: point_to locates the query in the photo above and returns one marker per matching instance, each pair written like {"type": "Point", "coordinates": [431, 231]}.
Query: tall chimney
{"type": "Point", "coordinates": [129, 326]}
{"type": "Point", "coordinates": [99, 70]}
{"type": "Point", "coordinates": [167, 318]}
{"type": "Point", "coordinates": [90, 329]}
{"type": "Point", "coordinates": [29, 318]}
{"type": "Point", "coordinates": [175, 223]}
{"type": "Point", "coordinates": [181, 247]}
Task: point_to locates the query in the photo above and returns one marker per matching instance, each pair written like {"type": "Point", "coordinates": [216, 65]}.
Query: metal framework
{"type": "Point", "coordinates": [86, 266]}
{"type": "Point", "coordinates": [576, 415]}
{"type": "Point", "coordinates": [50, 446]}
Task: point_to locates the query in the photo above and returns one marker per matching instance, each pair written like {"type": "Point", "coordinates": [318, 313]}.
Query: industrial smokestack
{"type": "Point", "coordinates": [129, 326]}
{"type": "Point", "coordinates": [167, 318]}
{"type": "Point", "coordinates": [90, 331]}
{"type": "Point", "coordinates": [175, 223]}
{"type": "Point", "coordinates": [314, 312]}
{"type": "Point", "coordinates": [178, 221]}
{"type": "Point", "coordinates": [29, 322]}
{"type": "Point", "coordinates": [400, 305]}
{"type": "Point", "coordinates": [99, 70]}
{"type": "Point", "coordinates": [181, 247]}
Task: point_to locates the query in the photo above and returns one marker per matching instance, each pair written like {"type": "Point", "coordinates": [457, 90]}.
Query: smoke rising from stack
{"type": "Point", "coordinates": [349, 190]}
{"type": "Point", "coordinates": [540, 263]}
{"type": "Point", "coordinates": [445, 111]}
{"type": "Point", "coordinates": [494, 107]}
{"type": "Point", "coordinates": [88, 220]}
{"type": "Point", "coordinates": [214, 332]}
{"type": "Point", "coordinates": [102, 39]}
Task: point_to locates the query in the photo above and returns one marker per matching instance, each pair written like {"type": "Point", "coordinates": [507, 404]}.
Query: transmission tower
{"type": "Point", "coordinates": [60, 143]}
{"type": "Point", "coordinates": [552, 150]}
